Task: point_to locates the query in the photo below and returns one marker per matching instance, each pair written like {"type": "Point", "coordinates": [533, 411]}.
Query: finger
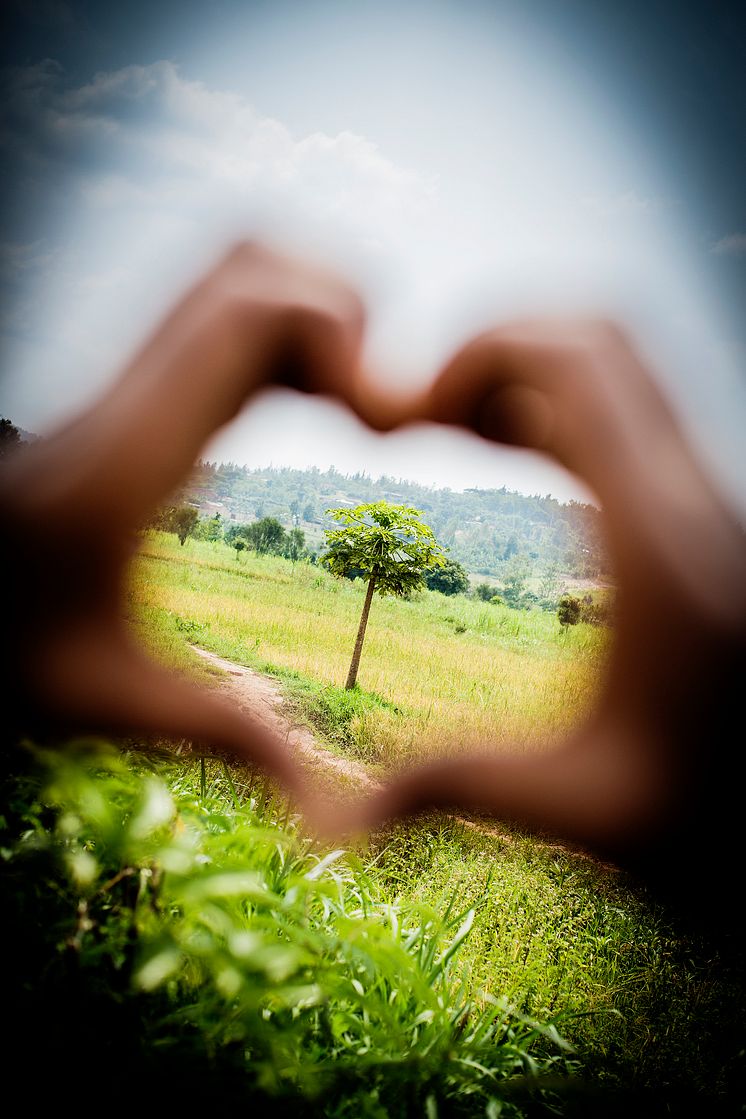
{"type": "Point", "coordinates": [591, 791]}
{"type": "Point", "coordinates": [257, 318]}
{"type": "Point", "coordinates": [96, 681]}
{"type": "Point", "coordinates": [579, 392]}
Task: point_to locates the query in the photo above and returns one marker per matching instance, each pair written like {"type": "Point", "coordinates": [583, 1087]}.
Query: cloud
{"type": "Point", "coordinates": [733, 244]}
{"type": "Point", "coordinates": [146, 136]}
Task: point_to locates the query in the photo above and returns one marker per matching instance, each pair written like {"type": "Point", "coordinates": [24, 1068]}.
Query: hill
{"type": "Point", "coordinates": [483, 529]}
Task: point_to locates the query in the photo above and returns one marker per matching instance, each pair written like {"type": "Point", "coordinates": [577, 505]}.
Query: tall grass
{"type": "Point", "coordinates": [451, 671]}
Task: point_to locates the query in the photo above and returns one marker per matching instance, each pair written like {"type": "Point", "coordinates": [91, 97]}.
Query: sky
{"type": "Point", "coordinates": [460, 162]}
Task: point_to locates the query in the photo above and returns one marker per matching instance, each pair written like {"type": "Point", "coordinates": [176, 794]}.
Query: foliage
{"type": "Point", "coordinates": [568, 610]}
{"type": "Point", "coordinates": [209, 528]}
{"type": "Point", "coordinates": [169, 919]}
{"type": "Point", "coordinates": [10, 438]}
{"type": "Point", "coordinates": [448, 578]}
{"type": "Point", "coordinates": [389, 546]}
{"type": "Point", "coordinates": [388, 543]}
{"type": "Point", "coordinates": [179, 519]}
{"type": "Point", "coordinates": [265, 536]}
{"type": "Point", "coordinates": [482, 529]}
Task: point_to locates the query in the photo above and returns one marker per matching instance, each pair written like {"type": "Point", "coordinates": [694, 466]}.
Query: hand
{"type": "Point", "coordinates": [72, 504]}
{"type": "Point", "coordinates": [649, 780]}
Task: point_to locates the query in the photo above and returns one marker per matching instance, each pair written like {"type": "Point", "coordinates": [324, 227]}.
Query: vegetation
{"type": "Point", "coordinates": [482, 529]}
{"type": "Point", "coordinates": [386, 544]}
{"type": "Point", "coordinates": [448, 578]}
{"type": "Point", "coordinates": [179, 519]}
{"type": "Point", "coordinates": [267, 537]}
{"type": "Point", "coordinates": [453, 671]}
{"type": "Point", "coordinates": [10, 438]}
{"type": "Point", "coordinates": [165, 915]}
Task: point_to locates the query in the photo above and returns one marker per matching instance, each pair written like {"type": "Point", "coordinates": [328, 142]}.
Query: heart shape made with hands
{"type": "Point", "coordinates": [629, 783]}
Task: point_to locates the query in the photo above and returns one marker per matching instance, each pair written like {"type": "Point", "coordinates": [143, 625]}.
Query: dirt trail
{"type": "Point", "coordinates": [263, 698]}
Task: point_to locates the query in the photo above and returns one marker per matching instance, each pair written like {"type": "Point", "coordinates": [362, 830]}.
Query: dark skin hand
{"type": "Point", "coordinates": [648, 779]}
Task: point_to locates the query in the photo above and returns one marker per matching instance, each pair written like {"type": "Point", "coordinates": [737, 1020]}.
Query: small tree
{"type": "Point", "coordinates": [390, 547]}
{"type": "Point", "coordinates": [180, 519]}
{"type": "Point", "coordinates": [568, 611]}
{"type": "Point", "coordinates": [265, 536]}
{"type": "Point", "coordinates": [295, 545]}
{"type": "Point", "coordinates": [448, 578]}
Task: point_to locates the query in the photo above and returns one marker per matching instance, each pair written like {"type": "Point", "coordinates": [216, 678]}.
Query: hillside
{"type": "Point", "coordinates": [483, 529]}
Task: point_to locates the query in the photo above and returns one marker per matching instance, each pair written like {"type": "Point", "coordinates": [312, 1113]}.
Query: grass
{"type": "Point", "coordinates": [317, 987]}
{"type": "Point", "coordinates": [449, 672]}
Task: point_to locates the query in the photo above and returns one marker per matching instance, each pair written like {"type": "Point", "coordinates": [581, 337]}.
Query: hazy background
{"type": "Point", "coordinates": [461, 162]}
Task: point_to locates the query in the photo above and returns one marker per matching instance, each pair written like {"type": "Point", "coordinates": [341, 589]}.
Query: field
{"type": "Point", "coordinates": [442, 968]}
{"type": "Point", "coordinates": [449, 672]}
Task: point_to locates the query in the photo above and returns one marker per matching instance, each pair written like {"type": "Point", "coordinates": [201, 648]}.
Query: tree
{"type": "Point", "coordinates": [390, 547]}
{"type": "Point", "coordinates": [568, 611]}
{"type": "Point", "coordinates": [448, 578]}
{"type": "Point", "coordinates": [295, 545]}
{"type": "Point", "coordinates": [209, 528]}
{"type": "Point", "coordinates": [10, 438]}
{"type": "Point", "coordinates": [516, 573]}
{"type": "Point", "coordinates": [265, 536]}
{"type": "Point", "coordinates": [180, 519]}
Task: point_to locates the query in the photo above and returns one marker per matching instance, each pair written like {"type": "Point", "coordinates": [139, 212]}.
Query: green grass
{"type": "Point", "coordinates": [449, 672]}
{"type": "Point", "coordinates": [127, 941]}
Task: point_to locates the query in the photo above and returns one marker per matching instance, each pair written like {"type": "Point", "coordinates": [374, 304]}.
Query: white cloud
{"type": "Point", "coordinates": [734, 244]}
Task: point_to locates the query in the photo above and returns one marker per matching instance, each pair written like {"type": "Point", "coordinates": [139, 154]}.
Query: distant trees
{"type": "Point", "coordinates": [483, 529]}
{"type": "Point", "coordinates": [448, 578]}
{"type": "Point", "coordinates": [10, 438]}
{"type": "Point", "coordinates": [267, 537]}
{"type": "Point", "coordinates": [386, 544]}
{"type": "Point", "coordinates": [209, 528]}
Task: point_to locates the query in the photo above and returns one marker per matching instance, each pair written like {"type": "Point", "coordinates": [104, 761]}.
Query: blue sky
{"type": "Point", "coordinates": [461, 162]}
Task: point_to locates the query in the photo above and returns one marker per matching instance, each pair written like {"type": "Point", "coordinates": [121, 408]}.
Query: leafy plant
{"type": "Point", "coordinates": [169, 919]}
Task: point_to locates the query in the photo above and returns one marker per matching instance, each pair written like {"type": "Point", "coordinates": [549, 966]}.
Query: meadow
{"type": "Point", "coordinates": [448, 672]}
{"type": "Point", "coordinates": [443, 967]}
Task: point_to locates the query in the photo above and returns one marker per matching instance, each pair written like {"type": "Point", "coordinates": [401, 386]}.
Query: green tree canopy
{"type": "Point", "coordinates": [448, 578]}
{"type": "Point", "coordinates": [265, 536]}
{"type": "Point", "coordinates": [386, 544]}
{"type": "Point", "coordinates": [180, 519]}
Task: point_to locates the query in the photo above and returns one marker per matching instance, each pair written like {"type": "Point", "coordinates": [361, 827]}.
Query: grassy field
{"type": "Point", "coordinates": [450, 671]}
{"type": "Point", "coordinates": [645, 1006]}
{"type": "Point", "coordinates": [167, 912]}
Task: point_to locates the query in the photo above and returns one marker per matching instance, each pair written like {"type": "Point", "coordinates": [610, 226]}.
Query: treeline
{"type": "Point", "coordinates": [484, 530]}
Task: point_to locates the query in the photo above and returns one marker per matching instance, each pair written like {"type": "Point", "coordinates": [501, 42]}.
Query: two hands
{"type": "Point", "coordinates": [648, 780]}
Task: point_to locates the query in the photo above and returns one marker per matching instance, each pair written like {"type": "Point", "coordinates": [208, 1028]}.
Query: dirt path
{"type": "Point", "coordinates": [263, 697]}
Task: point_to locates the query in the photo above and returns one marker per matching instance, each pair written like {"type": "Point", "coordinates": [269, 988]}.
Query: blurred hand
{"type": "Point", "coordinates": [72, 504]}
{"type": "Point", "coordinates": [648, 780]}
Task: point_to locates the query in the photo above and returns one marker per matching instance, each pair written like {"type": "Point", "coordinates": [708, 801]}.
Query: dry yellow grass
{"type": "Point", "coordinates": [453, 671]}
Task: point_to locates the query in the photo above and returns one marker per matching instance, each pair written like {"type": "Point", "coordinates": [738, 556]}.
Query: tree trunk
{"type": "Point", "coordinates": [355, 663]}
